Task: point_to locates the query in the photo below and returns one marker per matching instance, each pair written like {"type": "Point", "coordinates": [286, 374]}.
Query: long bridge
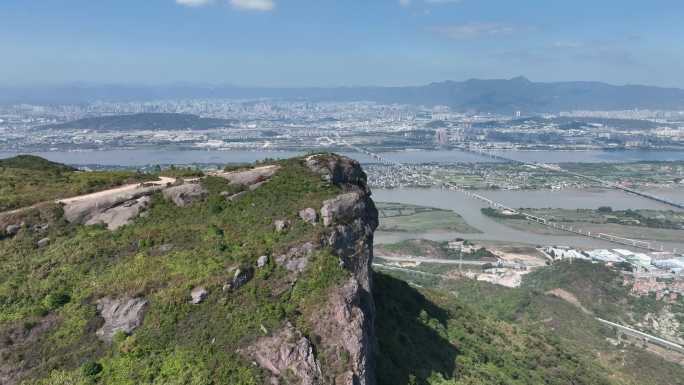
{"type": "Point", "coordinates": [604, 183]}
{"type": "Point", "coordinates": [640, 244]}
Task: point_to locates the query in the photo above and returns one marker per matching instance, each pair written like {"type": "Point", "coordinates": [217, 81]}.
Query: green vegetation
{"type": "Point", "coordinates": [535, 313]}
{"type": "Point", "coordinates": [640, 174]}
{"type": "Point", "coordinates": [433, 249]}
{"type": "Point", "coordinates": [34, 163]}
{"type": "Point", "coordinates": [655, 225]}
{"type": "Point", "coordinates": [430, 338]}
{"type": "Point", "coordinates": [27, 180]}
{"type": "Point", "coordinates": [481, 335]}
{"type": "Point", "coordinates": [657, 219]}
{"type": "Point", "coordinates": [399, 217]}
{"type": "Point", "coordinates": [598, 288]}
{"type": "Point", "coordinates": [161, 257]}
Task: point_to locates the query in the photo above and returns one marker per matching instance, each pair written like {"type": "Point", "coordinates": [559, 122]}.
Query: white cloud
{"type": "Point", "coordinates": [474, 30]}
{"type": "Point", "coordinates": [253, 5]}
{"type": "Point", "coordinates": [405, 3]}
{"type": "Point", "coordinates": [193, 3]}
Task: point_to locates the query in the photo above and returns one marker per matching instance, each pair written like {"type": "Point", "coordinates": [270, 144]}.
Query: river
{"type": "Point", "coordinates": [143, 157]}
{"type": "Point", "coordinates": [468, 208]}
{"type": "Point", "coordinates": [492, 230]}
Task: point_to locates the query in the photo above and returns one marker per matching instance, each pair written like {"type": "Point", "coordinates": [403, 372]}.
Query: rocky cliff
{"type": "Point", "coordinates": [256, 275]}
{"type": "Point", "coordinates": [344, 323]}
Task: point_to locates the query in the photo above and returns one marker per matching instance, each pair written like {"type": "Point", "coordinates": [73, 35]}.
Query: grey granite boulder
{"type": "Point", "coordinates": [287, 353]}
{"type": "Point", "coordinates": [281, 225]}
{"type": "Point", "coordinates": [297, 258]}
{"type": "Point", "coordinates": [262, 261]}
{"type": "Point", "coordinates": [198, 295]}
{"type": "Point", "coordinates": [12, 230]}
{"type": "Point", "coordinates": [343, 208]}
{"type": "Point", "coordinates": [250, 177]}
{"type": "Point", "coordinates": [309, 215]}
{"type": "Point", "coordinates": [120, 215]}
{"type": "Point", "coordinates": [240, 278]}
{"type": "Point", "coordinates": [120, 315]}
{"type": "Point", "coordinates": [185, 194]}
{"type": "Point", "coordinates": [43, 242]}
{"type": "Point", "coordinates": [338, 170]}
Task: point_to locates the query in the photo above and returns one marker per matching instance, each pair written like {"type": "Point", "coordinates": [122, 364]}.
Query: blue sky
{"type": "Point", "coordinates": [349, 42]}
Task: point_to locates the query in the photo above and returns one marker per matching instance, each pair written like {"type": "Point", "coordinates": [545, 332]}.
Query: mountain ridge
{"type": "Point", "coordinates": [475, 95]}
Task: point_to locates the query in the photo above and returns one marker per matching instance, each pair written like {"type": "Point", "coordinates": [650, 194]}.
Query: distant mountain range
{"type": "Point", "coordinates": [499, 95]}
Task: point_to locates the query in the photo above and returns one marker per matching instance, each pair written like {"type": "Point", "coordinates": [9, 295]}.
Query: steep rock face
{"type": "Point", "coordinates": [351, 218]}
{"type": "Point", "coordinates": [344, 324]}
{"type": "Point", "coordinates": [338, 170]}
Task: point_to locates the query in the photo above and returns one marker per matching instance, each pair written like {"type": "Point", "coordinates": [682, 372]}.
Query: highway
{"type": "Point", "coordinates": [411, 258]}
{"type": "Point", "coordinates": [650, 338]}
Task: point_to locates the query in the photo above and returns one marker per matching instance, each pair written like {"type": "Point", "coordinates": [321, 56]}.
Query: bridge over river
{"type": "Point", "coordinates": [635, 243]}
{"type": "Point", "coordinates": [604, 183]}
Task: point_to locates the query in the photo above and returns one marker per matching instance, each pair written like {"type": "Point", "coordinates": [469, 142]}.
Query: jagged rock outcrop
{"type": "Point", "coordinates": [185, 194]}
{"type": "Point", "coordinates": [344, 327]}
{"type": "Point", "coordinates": [287, 352]}
{"type": "Point", "coordinates": [345, 323]}
{"type": "Point", "coordinates": [338, 170]}
{"type": "Point", "coordinates": [343, 208]}
{"type": "Point", "coordinates": [120, 315]}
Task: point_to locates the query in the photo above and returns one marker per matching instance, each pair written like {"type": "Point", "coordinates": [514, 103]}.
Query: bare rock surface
{"type": "Point", "coordinates": [309, 215]}
{"type": "Point", "coordinates": [240, 278]}
{"type": "Point", "coordinates": [114, 209]}
{"type": "Point", "coordinates": [12, 230]}
{"type": "Point", "coordinates": [185, 194]}
{"type": "Point", "coordinates": [338, 170]}
{"type": "Point", "coordinates": [297, 258]}
{"type": "Point", "coordinates": [281, 225]}
{"type": "Point", "coordinates": [346, 328]}
{"type": "Point", "coordinates": [250, 177]}
{"type": "Point", "coordinates": [198, 295]}
{"type": "Point", "coordinates": [287, 352]}
{"type": "Point", "coordinates": [236, 196]}
{"type": "Point", "coordinates": [120, 215]}
{"type": "Point", "coordinates": [343, 208]}
{"type": "Point", "coordinates": [120, 315]}
{"type": "Point", "coordinates": [262, 261]}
